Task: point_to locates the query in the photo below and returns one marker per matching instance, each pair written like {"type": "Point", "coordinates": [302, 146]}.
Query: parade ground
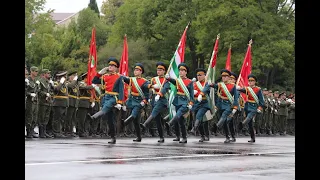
{"type": "Point", "coordinates": [95, 159]}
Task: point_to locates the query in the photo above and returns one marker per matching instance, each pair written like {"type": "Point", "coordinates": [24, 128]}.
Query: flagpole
{"type": "Point", "coordinates": [250, 42]}
{"type": "Point", "coordinates": [171, 62]}
{"type": "Point", "coordinates": [212, 56]}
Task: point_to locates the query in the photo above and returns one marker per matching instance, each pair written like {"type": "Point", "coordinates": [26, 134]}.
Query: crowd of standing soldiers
{"type": "Point", "coordinates": [74, 102]}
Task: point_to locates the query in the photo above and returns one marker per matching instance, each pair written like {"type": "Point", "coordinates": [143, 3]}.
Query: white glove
{"type": "Point", "coordinates": [124, 108]}
{"type": "Point", "coordinates": [271, 108]}
{"type": "Point", "coordinates": [167, 76]}
{"type": "Point", "coordinates": [157, 97]}
{"type": "Point", "coordinates": [190, 106]}
{"type": "Point", "coordinates": [275, 111]}
{"type": "Point", "coordinates": [238, 87]}
{"type": "Point", "coordinates": [195, 91]}
{"type": "Point", "coordinates": [273, 100]}
{"type": "Point", "coordinates": [94, 85]}
{"type": "Point", "coordinates": [62, 80]}
{"type": "Point", "coordinates": [149, 100]}
{"type": "Point", "coordinates": [103, 71]}
{"type": "Point", "coordinates": [93, 104]}
{"type": "Point", "coordinates": [33, 94]}
{"type": "Point", "coordinates": [234, 111]}
{"type": "Point", "coordinates": [118, 106]}
{"type": "Point", "coordinates": [51, 82]}
{"type": "Point", "coordinates": [289, 100]}
{"type": "Point", "coordinates": [194, 79]}
{"type": "Point", "coordinates": [258, 111]}
{"type": "Point", "coordinates": [48, 95]}
{"type": "Point", "coordinates": [200, 98]}
{"type": "Point", "coordinates": [75, 78]}
{"type": "Point", "coordinates": [38, 82]}
{"type": "Point", "coordinates": [142, 103]}
{"type": "Point", "coordinates": [156, 86]}
{"type": "Point", "coordinates": [27, 81]}
{"type": "Point", "coordinates": [279, 102]}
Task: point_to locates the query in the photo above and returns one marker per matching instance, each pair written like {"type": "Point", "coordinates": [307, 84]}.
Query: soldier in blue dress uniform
{"type": "Point", "coordinates": [183, 102]}
{"type": "Point", "coordinates": [254, 104]}
{"type": "Point", "coordinates": [227, 101]}
{"type": "Point", "coordinates": [159, 99]}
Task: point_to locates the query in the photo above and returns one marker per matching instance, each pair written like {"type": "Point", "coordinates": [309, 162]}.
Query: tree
{"type": "Point", "coordinates": [93, 6]}
{"type": "Point", "coordinates": [109, 9]}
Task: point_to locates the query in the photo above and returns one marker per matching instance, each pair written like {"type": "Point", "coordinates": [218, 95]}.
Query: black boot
{"type": "Point", "coordinates": [128, 120]}
{"type": "Point", "coordinates": [112, 141]}
{"type": "Point", "coordinates": [161, 140]}
{"type": "Point", "coordinates": [233, 139]}
{"type": "Point", "coordinates": [195, 127]}
{"type": "Point", "coordinates": [176, 139]}
{"type": "Point", "coordinates": [207, 138]}
{"type": "Point", "coordinates": [41, 132]}
{"type": "Point", "coordinates": [144, 125]}
{"type": "Point", "coordinates": [184, 140]}
{"type": "Point", "coordinates": [201, 139]}
{"type": "Point", "coordinates": [138, 139]}
{"type": "Point", "coordinates": [252, 140]}
{"type": "Point", "coordinates": [59, 135]}
{"type": "Point", "coordinates": [29, 132]}
{"type": "Point", "coordinates": [227, 140]}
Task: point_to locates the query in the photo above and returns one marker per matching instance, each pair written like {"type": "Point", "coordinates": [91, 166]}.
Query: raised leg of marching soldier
{"type": "Point", "coordinates": [43, 117]}
{"type": "Point", "coordinates": [59, 113]}
{"type": "Point", "coordinates": [135, 118]}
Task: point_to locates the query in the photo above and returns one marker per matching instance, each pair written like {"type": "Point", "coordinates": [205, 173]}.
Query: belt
{"type": "Point", "coordinates": [61, 97]}
{"type": "Point", "coordinates": [83, 97]}
{"type": "Point", "coordinates": [203, 98]}
{"type": "Point", "coordinates": [111, 93]}
{"type": "Point", "coordinates": [135, 94]}
{"type": "Point", "coordinates": [72, 96]}
{"type": "Point", "coordinates": [251, 101]}
{"type": "Point", "coordinates": [180, 93]}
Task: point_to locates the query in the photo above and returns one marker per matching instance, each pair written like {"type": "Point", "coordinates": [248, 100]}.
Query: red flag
{"type": "Point", "coordinates": [245, 70]}
{"type": "Point", "coordinates": [92, 63]}
{"type": "Point", "coordinates": [215, 52]}
{"type": "Point", "coordinates": [124, 62]}
{"type": "Point", "coordinates": [228, 62]}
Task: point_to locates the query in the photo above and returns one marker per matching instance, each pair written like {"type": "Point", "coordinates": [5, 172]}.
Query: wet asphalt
{"type": "Point", "coordinates": [95, 159]}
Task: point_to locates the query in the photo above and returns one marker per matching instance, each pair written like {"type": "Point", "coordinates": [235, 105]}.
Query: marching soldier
{"type": "Point", "coordinates": [45, 102]}
{"type": "Point", "coordinates": [265, 111]}
{"type": "Point", "coordinates": [275, 118]}
{"type": "Point", "coordinates": [270, 112]}
{"type": "Point", "coordinates": [183, 102]}
{"type": "Point", "coordinates": [113, 94]}
{"type": "Point", "coordinates": [60, 104]}
{"type": "Point", "coordinates": [159, 98]}
{"type": "Point", "coordinates": [84, 105]}
{"type": "Point", "coordinates": [73, 94]}
{"type": "Point", "coordinates": [138, 97]}
{"type": "Point", "coordinates": [32, 102]}
{"type": "Point", "coordinates": [228, 101]}
{"type": "Point", "coordinates": [253, 105]}
{"type": "Point", "coordinates": [201, 107]}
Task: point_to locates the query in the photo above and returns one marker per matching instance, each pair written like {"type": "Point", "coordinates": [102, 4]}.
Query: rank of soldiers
{"type": "Point", "coordinates": [66, 106]}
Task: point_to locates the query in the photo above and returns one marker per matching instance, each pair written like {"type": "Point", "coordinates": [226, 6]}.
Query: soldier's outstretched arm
{"type": "Point", "coordinates": [243, 90]}
{"type": "Point", "coordinates": [145, 89]}
{"type": "Point", "coordinates": [126, 79]}
{"type": "Point", "coordinates": [172, 80]}
{"type": "Point", "coordinates": [120, 86]}
{"type": "Point", "coordinates": [236, 98]}
{"type": "Point", "coordinates": [261, 98]}
{"type": "Point", "coordinates": [96, 79]}
{"type": "Point", "coordinates": [191, 91]}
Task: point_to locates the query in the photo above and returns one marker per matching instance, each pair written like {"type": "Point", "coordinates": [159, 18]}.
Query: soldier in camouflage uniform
{"type": "Point", "coordinates": [73, 94]}
{"type": "Point", "coordinates": [45, 102]}
{"type": "Point", "coordinates": [60, 104]}
{"type": "Point", "coordinates": [32, 101]}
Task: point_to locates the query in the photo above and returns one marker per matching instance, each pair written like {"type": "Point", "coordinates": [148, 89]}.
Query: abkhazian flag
{"type": "Point", "coordinates": [210, 77]}
{"type": "Point", "coordinates": [177, 58]}
{"type": "Point", "coordinates": [245, 71]}
{"type": "Point", "coordinates": [123, 69]}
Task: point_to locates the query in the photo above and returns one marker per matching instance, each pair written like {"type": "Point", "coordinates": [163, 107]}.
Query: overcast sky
{"type": "Point", "coordinates": [69, 6]}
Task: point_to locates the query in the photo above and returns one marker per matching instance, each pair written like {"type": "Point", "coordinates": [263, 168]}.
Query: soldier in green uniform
{"type": "Point", "coordinates": [270, 111]}
{"type": "Point", "coordinates": [291, 116]}
{"type": "Point", "coordinates": [60, 104]}
{"type": "Point", "coordinates": [275, 119]}
{"type": "Point", "coordinates": [31, 102]}
{"type": "Point", "coordinates": [84, 105]}
{"type": "Point", "coordinates": [262, 127]}
{"type": "Point", "coordinates": [45, 102]}
{"type": "Point", "coordinates": [73, 94]}
{"type": "Point", "coordinates": [283, 112]}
